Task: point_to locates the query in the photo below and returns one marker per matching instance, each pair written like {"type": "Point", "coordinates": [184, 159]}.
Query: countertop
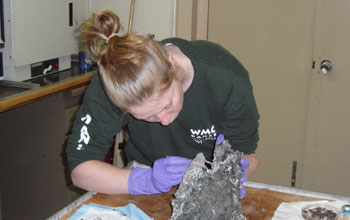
{"type": "Point", "coordinates": [261, 201]}
{"type": "Point", "coordinates": [39, 88]}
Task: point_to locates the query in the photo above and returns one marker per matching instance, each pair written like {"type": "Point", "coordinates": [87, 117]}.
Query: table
{"type": "Point", "coordinates": [261, 201]}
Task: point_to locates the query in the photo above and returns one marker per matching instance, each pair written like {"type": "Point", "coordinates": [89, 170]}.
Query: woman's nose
{"type": "Point", "coordinates": [164, 118]}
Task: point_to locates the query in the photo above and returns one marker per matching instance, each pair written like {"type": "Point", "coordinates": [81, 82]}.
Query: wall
{"type": "Point", "coordinates": [192, 19]}
{"type": "Point", "coordinates": [154, 16]}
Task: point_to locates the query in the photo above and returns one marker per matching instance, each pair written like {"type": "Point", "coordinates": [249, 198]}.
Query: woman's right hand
{"type": "Point", "coordinates": [166, 173]}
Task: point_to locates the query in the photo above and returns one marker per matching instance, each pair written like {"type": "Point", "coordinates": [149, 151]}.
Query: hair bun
{"type": "Point", "coordinates": [99, 29]}
{"type": "Point", "coordinates": [107, 23]}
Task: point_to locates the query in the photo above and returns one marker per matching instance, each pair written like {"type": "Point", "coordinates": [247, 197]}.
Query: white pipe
{"type": "Point", "coordinates": [89, 8]}
{"type": "Point", "coordinates": [131, 16]}
{"type": "Point", "coordinates": [174, 17]}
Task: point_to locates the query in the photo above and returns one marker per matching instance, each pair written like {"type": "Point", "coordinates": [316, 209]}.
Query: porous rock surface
{"type": "Point", "coordinates": [211, 191]}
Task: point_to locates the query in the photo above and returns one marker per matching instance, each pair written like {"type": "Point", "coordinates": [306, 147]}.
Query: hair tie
{"type": "Point", "coordinates": [110, 36]}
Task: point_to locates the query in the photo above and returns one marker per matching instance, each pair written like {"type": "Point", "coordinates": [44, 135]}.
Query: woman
{"type": "Point", "coordinates": [175, 97]}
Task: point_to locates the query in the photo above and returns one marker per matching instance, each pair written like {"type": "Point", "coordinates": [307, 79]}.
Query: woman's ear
{"type": "Point", "coordinates": [171, 59]}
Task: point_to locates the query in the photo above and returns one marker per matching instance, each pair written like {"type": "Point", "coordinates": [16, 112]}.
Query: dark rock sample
{"type": "Point", "coordinates": [211, 193]}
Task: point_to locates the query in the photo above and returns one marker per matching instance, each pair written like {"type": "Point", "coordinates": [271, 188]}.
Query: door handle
{"type": "Point", "coordinates": [326, 66]}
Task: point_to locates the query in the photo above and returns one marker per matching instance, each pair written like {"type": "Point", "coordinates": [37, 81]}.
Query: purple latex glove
{"type": "Point", "coordinates": [166, 173]}
{"type": "Point", "coordinates": [244, 165]}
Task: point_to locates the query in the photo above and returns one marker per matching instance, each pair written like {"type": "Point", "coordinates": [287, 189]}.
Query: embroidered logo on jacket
{"type": "Point", "coordinates": [201, 135]}
{"type": "Point", "coordinates": [84, 134]}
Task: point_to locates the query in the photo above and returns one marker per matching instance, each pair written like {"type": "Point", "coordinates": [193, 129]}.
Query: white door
{"type": "Point", "coordinates": [327, 155]}
{"type": "Point", "coordinates": [273, 39]}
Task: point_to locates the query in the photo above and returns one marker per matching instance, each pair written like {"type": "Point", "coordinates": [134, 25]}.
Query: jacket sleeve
{"type": "Point", "coordinates": [240, 116]}
{"type": "Point", "coordinates": [97, 123]}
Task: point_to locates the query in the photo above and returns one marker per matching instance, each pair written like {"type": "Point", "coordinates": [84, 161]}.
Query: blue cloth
{"type": "Point", "coordinates": [131, 211]}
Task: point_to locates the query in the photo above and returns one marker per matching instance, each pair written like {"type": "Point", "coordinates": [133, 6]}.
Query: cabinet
{"type": "Point", "coordinates": [33, 179]}
{"type": "Point", "coordinates": [304, 113]}
{"type": "Point", "coordinates": [72, 100]}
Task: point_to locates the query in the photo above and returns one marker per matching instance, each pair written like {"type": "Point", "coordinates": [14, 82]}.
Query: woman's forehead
{"type": "Point", "coordinates": [153, 104]}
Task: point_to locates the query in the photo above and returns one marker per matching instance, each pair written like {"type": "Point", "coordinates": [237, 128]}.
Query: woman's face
{"type": "Point", "coordinates": [163, 109]}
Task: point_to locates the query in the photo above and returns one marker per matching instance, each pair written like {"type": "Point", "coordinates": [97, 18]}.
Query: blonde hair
{"type": "Point", "coordinates": [132, 67]}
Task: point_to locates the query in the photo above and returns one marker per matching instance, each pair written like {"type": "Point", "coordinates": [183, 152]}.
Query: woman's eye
{"type": "Point", "coordinates": [168, 106]}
